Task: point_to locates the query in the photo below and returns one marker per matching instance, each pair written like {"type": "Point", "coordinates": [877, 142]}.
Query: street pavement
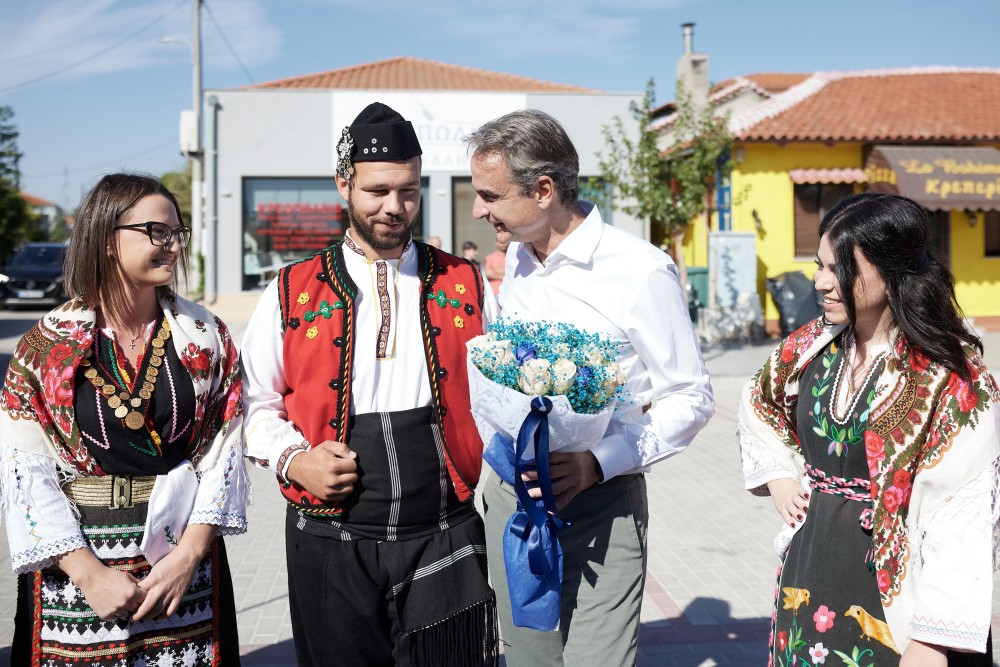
{"type": "Point", "coordinates": [711, 572]}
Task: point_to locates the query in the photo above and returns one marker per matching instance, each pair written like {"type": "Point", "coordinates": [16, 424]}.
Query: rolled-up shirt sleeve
{"type": "Point", "coordinates": [272, 439]}
{"type": "Point", "coordinates": [679, 393]}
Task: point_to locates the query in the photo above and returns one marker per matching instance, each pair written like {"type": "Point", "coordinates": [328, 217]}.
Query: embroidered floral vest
{"type": "Point", "coordinates": [319, 336]}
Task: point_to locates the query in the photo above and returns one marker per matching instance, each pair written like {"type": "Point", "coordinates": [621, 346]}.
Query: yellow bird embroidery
{"type": "Point", "coordinates": [871, 627]}
{"type": "Point", "coordinates": [796, 597]}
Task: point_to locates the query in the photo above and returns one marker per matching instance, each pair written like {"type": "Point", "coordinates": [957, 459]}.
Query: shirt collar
{"type": "Point", "coordinates": [350, 243]}
{"type": "Point", "coordinates": [579, 246]}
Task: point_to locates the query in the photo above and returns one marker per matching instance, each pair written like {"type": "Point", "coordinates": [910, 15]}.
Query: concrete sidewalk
{"type": "Point", "coordinates": [711, 572]}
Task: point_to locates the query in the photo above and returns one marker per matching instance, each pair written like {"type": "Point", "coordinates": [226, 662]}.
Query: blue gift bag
{"type": "Point", "coordinates": [531, 552]}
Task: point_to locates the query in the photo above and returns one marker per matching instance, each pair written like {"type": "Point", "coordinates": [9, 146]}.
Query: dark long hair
{"type": "Point", "coordinates": [891, 233]}
{"type": "Point", "coordinates": [89, 266]}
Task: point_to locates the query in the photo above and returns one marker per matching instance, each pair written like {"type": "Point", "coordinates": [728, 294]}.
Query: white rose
{"type": "Point", "coordinates": [614, 378]}
{"type": "Point", "coordinates": [536, 377]}
{"type": "Point", "coordinates": [502, 353]}
{"type": "Point", "coordinates": [596, 357]}
{"type": "Point", "coordinates": [563, 375]}
{"type": "Point", "coordinates": [562, 350]}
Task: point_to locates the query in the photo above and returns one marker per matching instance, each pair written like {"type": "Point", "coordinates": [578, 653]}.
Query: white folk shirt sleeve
{"type": "Point", "coordinates": [41, 525]}
{"type": "Point", "coordinates": [268, 431]}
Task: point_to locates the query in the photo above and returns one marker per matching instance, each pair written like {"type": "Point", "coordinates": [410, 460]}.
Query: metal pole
{"type": "Point", "coordinates": [212, 200]}
{"type": "Point", "coordinates": [197, 159]}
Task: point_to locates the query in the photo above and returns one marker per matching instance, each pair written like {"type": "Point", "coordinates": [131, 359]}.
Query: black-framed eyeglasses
{"type": "Point", "coordinates": [160, 233]}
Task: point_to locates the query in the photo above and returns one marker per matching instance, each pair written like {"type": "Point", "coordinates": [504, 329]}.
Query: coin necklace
{"type": "Point", "coordinates": [132, 409]}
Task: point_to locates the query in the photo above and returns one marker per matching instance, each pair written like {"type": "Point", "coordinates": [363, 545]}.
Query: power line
{"type": "Point", "coordinates": [29, 56]}
{"type": "Point", "coordinates": [95, 55]}
{"type": "Point", "coordinates": [105, 163]}
{"type": "Point", "coordinates": [229, 46]}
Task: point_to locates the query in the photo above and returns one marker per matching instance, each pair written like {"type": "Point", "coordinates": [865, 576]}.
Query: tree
{"type": "Point", "coordinates": [179, 182]}
{"type": "Point", "coordinates": [10, 158]}
{"type": "Point", "coordinates": [668, 188]}
{"type": "Point", "coordinates": [17, 222]}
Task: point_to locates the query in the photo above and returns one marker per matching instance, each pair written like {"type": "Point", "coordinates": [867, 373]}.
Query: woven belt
{"type": "Point", "coordinates": [111, 491]}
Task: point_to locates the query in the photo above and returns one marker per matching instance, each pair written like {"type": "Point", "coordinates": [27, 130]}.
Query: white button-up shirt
{"type": "Point", "coordinates": [603, 280]}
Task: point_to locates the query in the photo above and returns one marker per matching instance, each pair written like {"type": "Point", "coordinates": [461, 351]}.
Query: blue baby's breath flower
{"type": "Point", "coordinates": [598, 380]}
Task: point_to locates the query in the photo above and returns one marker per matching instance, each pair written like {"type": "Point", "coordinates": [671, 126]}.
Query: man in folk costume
{"type": "Point", "coordinates": [357, 399]}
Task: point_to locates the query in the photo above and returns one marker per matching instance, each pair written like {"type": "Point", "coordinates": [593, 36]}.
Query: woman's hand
{"type": "Point", "coordinates": [170, 578]}
{"type": "Point", "coordinates": [790, 499]}
{"type": "Point", "coordinates": [919, 654]}
{"type": "Point", "coordinates": [112, 594]}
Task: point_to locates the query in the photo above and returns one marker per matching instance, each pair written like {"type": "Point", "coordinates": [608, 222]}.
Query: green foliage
{"type": "Point", "coordinates": [10, 158]}
{"type": "Point", "coordinates": [179, 182]}
{"type": "Point", "coordinates": [671, 188]}
{"type": "Point", "coordinates": [17, 222]}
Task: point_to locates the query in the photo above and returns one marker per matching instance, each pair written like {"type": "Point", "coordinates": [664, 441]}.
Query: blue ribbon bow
{"type": "Point", "coordinates": [532, 555]}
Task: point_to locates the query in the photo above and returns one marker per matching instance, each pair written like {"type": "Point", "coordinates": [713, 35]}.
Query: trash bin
{"type": "Point", "coordinates": [696, 290]}
{"type": "Point", "coordinates": [698, 280]}
{"type": "Point", "coordinates": [797, 300]}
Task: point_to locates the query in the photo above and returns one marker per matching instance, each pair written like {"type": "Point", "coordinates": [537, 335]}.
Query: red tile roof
{"type": "Point", "coordinates": [931, 104]}
{"type": "Point", "coordinates": [767, 84]}
{"type": "Point", "coordinates": [407, 73]}
{"type": "Point", "coordinates": [36, 201]}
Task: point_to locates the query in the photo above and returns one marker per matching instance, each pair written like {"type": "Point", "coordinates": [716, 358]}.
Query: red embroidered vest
{"type": "Point", "coordinates": [319, 351]}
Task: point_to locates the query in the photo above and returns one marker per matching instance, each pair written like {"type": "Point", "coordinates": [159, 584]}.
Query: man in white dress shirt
{"type": "Point", "coordinates": [565, 264]}
{"type": "Point", "coordinates": [357, 399]}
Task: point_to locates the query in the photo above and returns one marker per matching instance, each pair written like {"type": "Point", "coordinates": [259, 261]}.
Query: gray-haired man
{"type": "Point", "coordinates": [565, 264]}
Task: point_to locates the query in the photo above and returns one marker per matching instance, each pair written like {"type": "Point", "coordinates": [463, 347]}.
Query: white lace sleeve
{"type": "Point", "coordinates": [41, 521]}
{"type": "Point", "coordinates": [224, 489]}
{"type": "Point", "coordinates": [955, 588]}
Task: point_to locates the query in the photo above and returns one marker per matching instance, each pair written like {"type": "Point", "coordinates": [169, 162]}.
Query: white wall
{"type": "Point", "coordinates": [292, 133]}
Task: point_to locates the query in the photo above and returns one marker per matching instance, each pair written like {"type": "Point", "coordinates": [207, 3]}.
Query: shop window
{"type": "Point", "coordinates": [287, 219]}
{"type": "Point", "coordinates": [812, 202]}
{"type": "Point", "coordinates": [991, 229]}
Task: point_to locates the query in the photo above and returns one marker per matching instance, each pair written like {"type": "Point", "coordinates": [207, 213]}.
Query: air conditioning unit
{"type": "Point", "coordinates": [189, 134]}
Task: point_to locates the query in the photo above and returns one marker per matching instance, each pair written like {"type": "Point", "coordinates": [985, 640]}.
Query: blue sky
{"type": "Point", "coordinates": [117, 100]}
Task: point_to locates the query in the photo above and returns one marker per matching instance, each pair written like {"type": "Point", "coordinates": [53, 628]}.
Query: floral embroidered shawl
{"type": "Point", "coordinates": [933, 447]}
{"type": "Point", "coordinates": [36, 407]}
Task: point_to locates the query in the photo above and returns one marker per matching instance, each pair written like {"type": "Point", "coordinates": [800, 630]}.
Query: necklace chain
{"type": "Point", "coordinates": [851, 404]}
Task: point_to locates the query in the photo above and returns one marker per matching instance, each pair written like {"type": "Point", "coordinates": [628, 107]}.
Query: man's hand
{"type": "Point", "coordinates": [790, 499]}
{"type": "Point", "coordinates": [571, 473]}
{"type": "Point", "coordinates": [328, 470]}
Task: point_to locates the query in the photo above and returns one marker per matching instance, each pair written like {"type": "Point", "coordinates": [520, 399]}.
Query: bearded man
{"type": "Point", "coordinates": [357, 399]}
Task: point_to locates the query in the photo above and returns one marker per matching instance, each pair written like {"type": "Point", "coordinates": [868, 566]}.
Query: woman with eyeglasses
{"type": "Point", "coordinates": [121, 454]}
{"type": "Point", "coordinates": [876, 432]}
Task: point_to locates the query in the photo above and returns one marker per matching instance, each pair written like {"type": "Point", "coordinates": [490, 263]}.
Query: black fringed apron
{"type": "Point", "coordinates": [400, 578]}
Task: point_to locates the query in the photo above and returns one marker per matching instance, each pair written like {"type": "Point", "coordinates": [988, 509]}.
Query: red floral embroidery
{"type": "Point", "coordinates": [875, 450]}
{"type": "Point", "coordinates": [11, 401]}
{"type": "Point", "coordinates": [233, 401]}
{"type": "Point", "coordinates": [823, 618]}
{"type": "Point", "coordinates": [965, 393]}
{"type": "Point", "coordinates": [58, 385]}
{"type": "Point", "coordinates": [59, 353]}
{"type": "Point", "coordinates": [782, 640]}
{"type": "Point", "coordinates": [884, 580]}
{"type": "Point", "coordinates": [196, 360]}
{"type": "Point", "coordinates": [918, 360]}
{"type": "Point", "coordinates": [892, 498]}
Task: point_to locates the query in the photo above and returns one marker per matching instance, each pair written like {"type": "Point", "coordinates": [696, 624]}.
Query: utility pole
{"type": "Point", "coordinates": [198, 155]}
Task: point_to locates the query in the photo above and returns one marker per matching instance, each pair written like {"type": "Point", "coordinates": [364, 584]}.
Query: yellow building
{"type": "Point", "coordinates": [804, 141]}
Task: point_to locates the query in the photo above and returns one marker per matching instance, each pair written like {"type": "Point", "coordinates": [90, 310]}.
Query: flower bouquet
{"type": "Point", "coordinates": [538, 387]}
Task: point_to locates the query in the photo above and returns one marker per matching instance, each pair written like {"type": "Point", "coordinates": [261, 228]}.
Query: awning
{"type": "Point", "coordinates": [939, 177]}
{"type": "Point", "coordinates": [843, 175]}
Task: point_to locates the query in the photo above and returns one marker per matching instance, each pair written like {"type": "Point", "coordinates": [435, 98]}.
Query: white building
{"type": "Point", "coordinates": [270, 194]}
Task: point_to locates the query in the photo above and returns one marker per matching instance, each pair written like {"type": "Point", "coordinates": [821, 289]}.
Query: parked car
{"type": "Point", "coordinates": [34, 276]}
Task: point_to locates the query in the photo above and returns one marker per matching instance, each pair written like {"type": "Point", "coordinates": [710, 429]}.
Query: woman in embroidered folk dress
{"type": "Point", "coordinates": [885, 412]}
{"type": "Point", "coordinates": [121, 455]}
